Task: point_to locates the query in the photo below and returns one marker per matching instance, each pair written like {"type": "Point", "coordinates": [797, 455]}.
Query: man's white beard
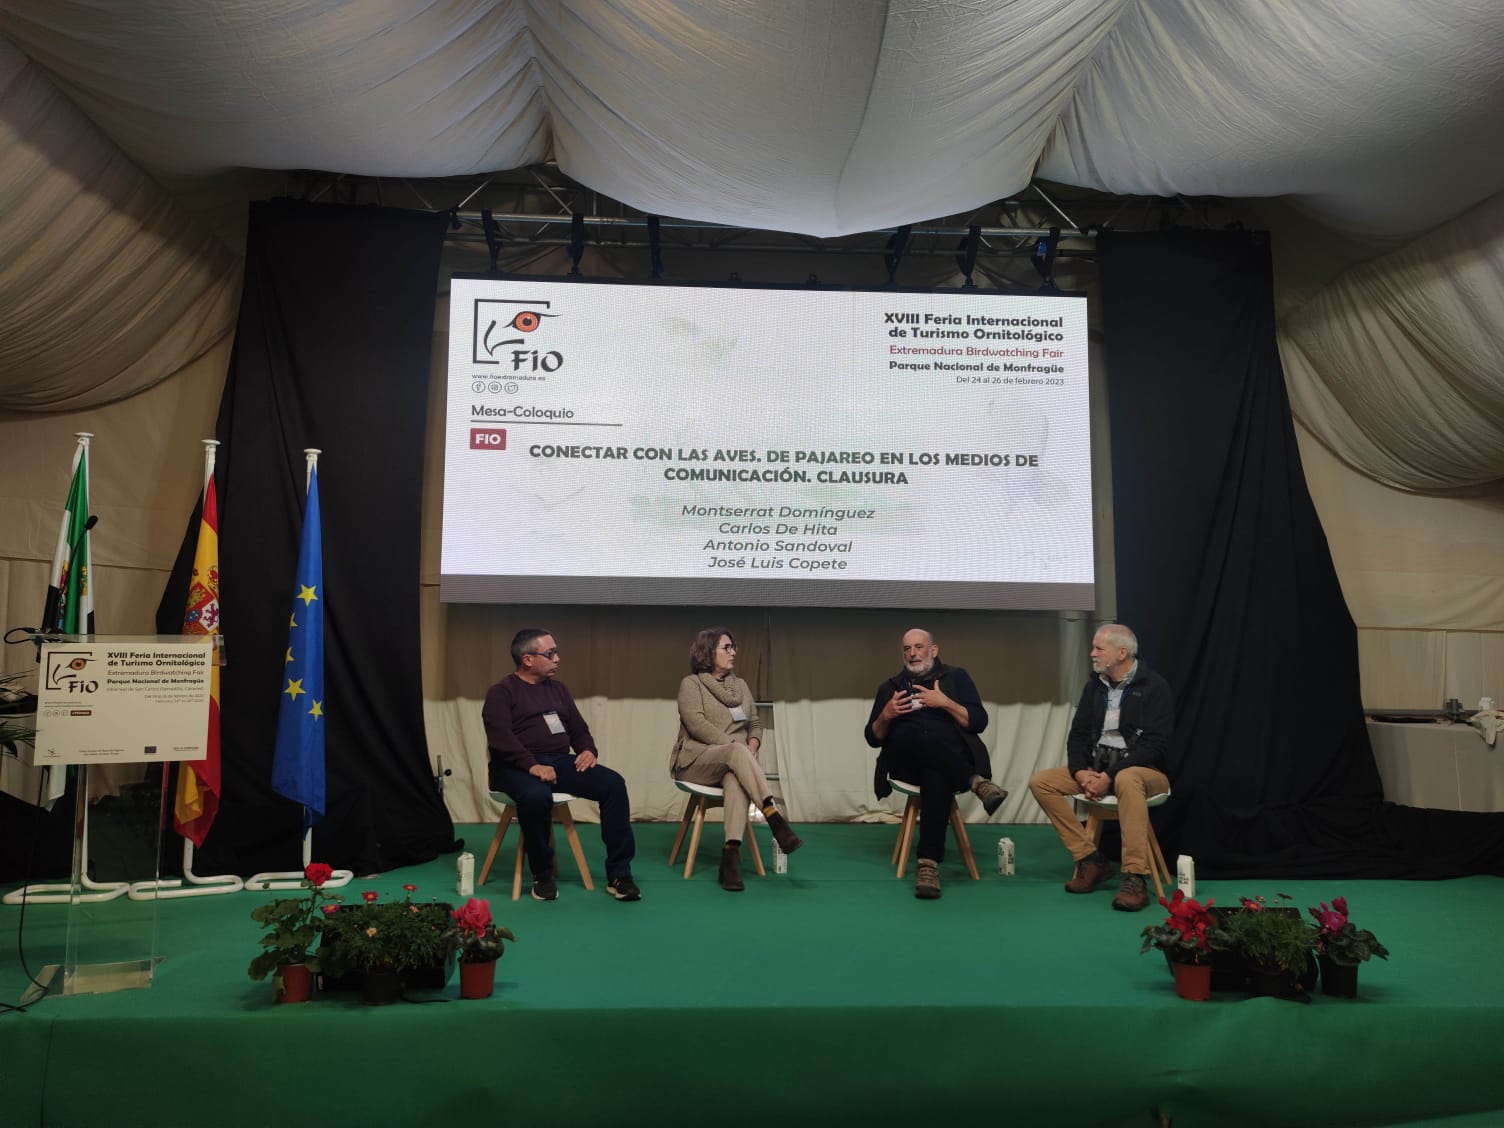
{"type": "Point", "coordinates": [919, 671]}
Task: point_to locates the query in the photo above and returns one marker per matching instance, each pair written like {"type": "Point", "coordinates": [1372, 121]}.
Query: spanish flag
{"type": "Point", "coordinates": [198, 780]}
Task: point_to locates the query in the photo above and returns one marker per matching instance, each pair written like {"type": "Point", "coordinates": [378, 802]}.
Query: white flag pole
{"type": "Point", "coordinates": [293, 879]}
{"type": "Point", "coordinates": [81, 588]}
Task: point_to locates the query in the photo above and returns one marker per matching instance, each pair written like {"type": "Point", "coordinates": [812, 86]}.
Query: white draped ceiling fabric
{"type": "Point", "coordinates": [1368, 134]}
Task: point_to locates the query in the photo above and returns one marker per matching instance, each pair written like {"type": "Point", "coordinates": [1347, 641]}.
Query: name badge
{"type": "Point", "coordinates": [555, 725]}
{"type": "Point", "coordinates": [738, 713]}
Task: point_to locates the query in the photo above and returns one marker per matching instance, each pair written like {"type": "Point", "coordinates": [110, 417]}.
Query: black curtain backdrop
{"type": "Point", "coordinates": [331, 351]}
{"type": "Point", "coordinates": [1224, 572]}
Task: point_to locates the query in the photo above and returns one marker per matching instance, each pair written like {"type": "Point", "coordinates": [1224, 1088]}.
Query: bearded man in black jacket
{"type": "Point", "coordinates": [926, 719]}
{"type": "Point", "coordinates": [1116, 746]}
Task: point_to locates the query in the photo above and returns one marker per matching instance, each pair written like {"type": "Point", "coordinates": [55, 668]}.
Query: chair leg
{"type": "Point", "coordinates": [963, 841]}
{"type": "Point", "coordinates": [517, 869]}
{"type": "Point", "coordinates": [1158, 865]}
{"type": "Point", "coordinates": [1094, 822]}
{"type": "Point", "coordinates": [906, 832]}
{"type": "Point", "coordinates": [694, 837]}
{"type": "Point", "coordinates": [756, 853]}
{"type": "Point", "coordinates": [566, 816]}
{"type": "Point", "coordinates": [689, 810]}
{"type": "Point", "coordinates": [501, 832]}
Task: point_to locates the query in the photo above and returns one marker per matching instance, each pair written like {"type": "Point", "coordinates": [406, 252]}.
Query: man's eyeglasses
{"type": "Point", "coordinates": [554, 653]}
{"type": "Point", "coordinates": [728, 646]}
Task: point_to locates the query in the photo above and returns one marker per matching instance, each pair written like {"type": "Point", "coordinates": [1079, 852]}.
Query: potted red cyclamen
{"type": "Point", "coordinates": [476, 939]}
{"type": "Point", "coordinates": [1187, 937]}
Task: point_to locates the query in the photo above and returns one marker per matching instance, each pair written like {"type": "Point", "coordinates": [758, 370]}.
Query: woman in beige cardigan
{"type": "Point", "coordinates": [719, 733]}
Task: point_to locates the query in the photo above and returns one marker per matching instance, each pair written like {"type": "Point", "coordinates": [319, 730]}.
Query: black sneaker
{"type": "Point", "coordinates": [544, 887]}
{"type": "Point", "coordinates": [624, 889]}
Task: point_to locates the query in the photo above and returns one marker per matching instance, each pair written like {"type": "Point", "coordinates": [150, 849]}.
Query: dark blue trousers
{"type": "Point", "coordinates": [535, 810]}
{"type": "Point", "coordinates": [940, 770]}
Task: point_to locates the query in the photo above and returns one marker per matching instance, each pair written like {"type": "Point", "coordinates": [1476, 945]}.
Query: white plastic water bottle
{"type": "Point", "coordinates": [1185, 875]}
{"type": "Point", "coordinates": [780, 860]}
{"type": "Point", "coordinates": [465, 875]}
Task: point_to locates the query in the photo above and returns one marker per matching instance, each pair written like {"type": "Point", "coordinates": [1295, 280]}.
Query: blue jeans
{"type": "Point", "coordinates": [535, 810]}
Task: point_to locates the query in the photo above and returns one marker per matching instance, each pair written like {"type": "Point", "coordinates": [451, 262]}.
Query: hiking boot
{"type": "Point", "coordinates": [731, 869]}
{"type": "Point", "coordinates": [1090, 873]}
{"type": "Point", "coordinates": [544, 887]}
{"type": "Point", "coordinates": [989, 793]}
{"type": "Point", "coordinates": [927, 881]}
{"type": "Point", "coordinates": [1133, 895]}
{"type": "Point", "coordinates": [624, 889]}
{"type": "Point", "coordinates": [783, 833]}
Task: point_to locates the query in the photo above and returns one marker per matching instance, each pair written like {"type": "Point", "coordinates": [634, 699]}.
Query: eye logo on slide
{"type": "Point", "coordinates": [498, 323]}
{"type": "Point", "coordinates": [66, 671]}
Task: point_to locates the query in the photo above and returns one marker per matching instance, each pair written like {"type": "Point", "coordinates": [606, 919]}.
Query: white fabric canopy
{"type": "Point", "coordinates": [1368, 134]}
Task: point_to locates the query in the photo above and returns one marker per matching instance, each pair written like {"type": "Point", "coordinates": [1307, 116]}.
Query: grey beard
{"type": "Point", "coordinates": [924, 673]}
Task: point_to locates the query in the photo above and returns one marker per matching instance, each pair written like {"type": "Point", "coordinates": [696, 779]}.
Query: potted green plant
{"type": "Point", "coordinates": [1340, 947]}
{"type": "Point", "coordinates": [476, 939]}
{"type": "Point", "coordinates": [1275, 943]}
{"type": "Point", "coordinates": [1187, 937]}
{"type": "Point", "coordinates": [384, 939]}
{"type": "Point", "coordinates": [17, 713]}
{"type": "Point", "coordinates": [292, 926]}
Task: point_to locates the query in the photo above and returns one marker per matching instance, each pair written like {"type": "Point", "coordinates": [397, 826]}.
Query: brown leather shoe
{"type": "Point", "coordinates": [927, 881]}
{"type": "Point", "coordinates": [1089, 874]}
{"type": "Point", "coordinates": [1133, 894]}
{"type": "Point", "coordinates": [989, 793]}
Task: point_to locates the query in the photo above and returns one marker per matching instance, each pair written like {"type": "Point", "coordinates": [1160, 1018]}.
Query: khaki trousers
{"type": "Point", "coordinates": [733, 768]}
{"type": "Point", "coordinates": [1053, 788]}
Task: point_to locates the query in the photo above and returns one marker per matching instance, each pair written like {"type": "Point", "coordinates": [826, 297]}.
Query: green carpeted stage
{"type": "Point", "coordinates": [827, 995]}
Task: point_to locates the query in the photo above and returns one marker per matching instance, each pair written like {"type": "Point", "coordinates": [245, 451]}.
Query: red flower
{"type": "Point", "coordinates": [369, 895]}
{"type": "Point", "coordinates": [330, 910]}
{"type": "Point", "coordinates": [410, 888]}
{"type": "Point", "coordinates": [316, 873]}
{"type": "Point", "coordinates": [473, 916]}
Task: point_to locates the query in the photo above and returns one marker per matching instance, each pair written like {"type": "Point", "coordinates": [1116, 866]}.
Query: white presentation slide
{"type": "Point", "coordinates": [621, 443]}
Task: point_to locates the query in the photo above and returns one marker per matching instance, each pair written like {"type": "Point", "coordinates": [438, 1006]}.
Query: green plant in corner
{"type": "Point", "coordinates": [385, 935]}
{"type": "Point", "coordinates": [1270, 936]}
{"type": "Point", "coordinates": [12, 700]}
{"type": "Point", "coordinates": [293, 925]}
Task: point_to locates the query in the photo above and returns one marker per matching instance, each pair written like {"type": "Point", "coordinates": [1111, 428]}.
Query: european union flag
{"type": "Point", "coordinates": [298, 761]}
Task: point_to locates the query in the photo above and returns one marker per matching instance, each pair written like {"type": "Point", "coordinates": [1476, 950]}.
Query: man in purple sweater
{"type": "Point", "coordinates": [540, 744]}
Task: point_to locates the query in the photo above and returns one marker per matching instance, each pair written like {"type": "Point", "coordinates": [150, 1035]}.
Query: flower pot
{"type": "Point", "coordinates": [1193, 981]}
{"type": "Point", "coordinates": [380, 987]}
{"type": "Point", "coordinates": [293, 983]}
{"type": "Point", "coordinates": [477, 980]}
{"type": "Point", "coordinates": [1338, 980]}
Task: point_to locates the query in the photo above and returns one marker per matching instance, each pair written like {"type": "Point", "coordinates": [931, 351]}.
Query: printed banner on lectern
{"type": "Point", "coordinates": [123, 700]}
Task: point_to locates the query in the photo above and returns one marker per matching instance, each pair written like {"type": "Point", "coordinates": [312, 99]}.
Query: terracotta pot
{"type": "Point", "coordinates": [1338, 980]}
{"type": "Point", "coordinates": [1193, 981]}
{"type": "Point", "coordinates": [477, 980]}
{"type": "Point", "coordinates": [293, 983]}
{"type": "Point", "coordinates": [382, 986]}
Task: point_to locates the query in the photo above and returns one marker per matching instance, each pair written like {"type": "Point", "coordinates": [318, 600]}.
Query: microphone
{"type": "Point", "coordinates": [78, 540]}
{"type": "Point", "coordinates": [50, 611]}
